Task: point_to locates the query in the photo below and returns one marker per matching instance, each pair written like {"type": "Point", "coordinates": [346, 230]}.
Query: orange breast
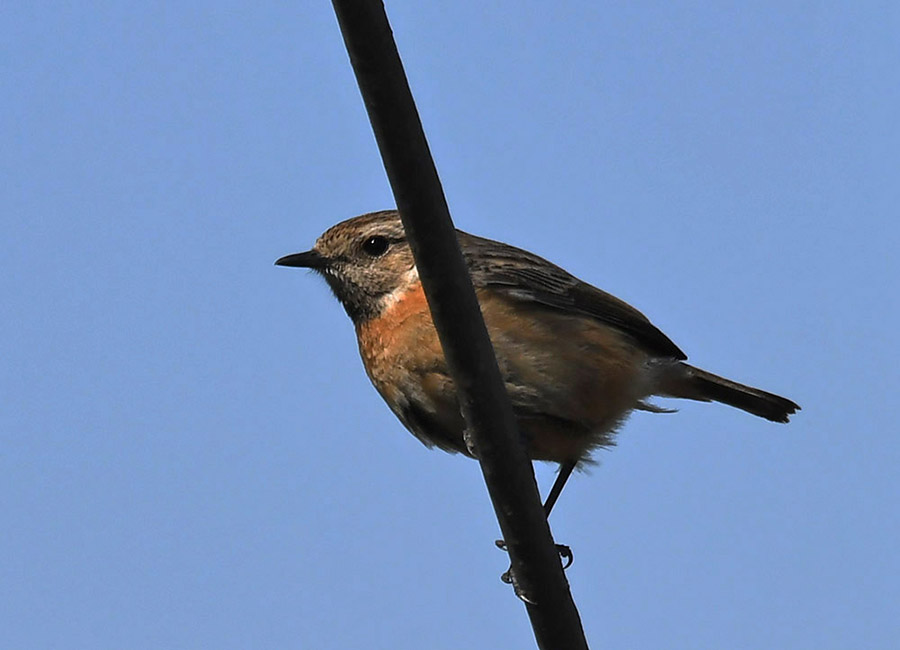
{"type": "Point", "coordinates": [400, 341]}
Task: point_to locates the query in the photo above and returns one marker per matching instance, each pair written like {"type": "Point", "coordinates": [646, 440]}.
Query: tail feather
{"type": "Point", "coordinates": [696, 384]}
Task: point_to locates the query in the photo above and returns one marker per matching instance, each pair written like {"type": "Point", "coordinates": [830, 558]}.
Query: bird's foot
{"type": "Point", "coordinates": [565, 554]}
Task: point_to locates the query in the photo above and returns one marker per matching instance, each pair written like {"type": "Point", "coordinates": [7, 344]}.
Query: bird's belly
{"type": "Point", "coordinates": [571, 380]}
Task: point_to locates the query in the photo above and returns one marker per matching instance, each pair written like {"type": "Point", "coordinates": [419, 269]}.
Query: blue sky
{"type": "Point", "coordinates": [190, 453]}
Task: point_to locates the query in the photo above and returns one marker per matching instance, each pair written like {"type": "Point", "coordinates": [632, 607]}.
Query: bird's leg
{"type": "Point", "coordinates": [565, 471]}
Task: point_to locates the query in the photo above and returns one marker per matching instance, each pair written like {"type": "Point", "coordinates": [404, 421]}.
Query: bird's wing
{"type": "Point", "coordinates": [525, 276]}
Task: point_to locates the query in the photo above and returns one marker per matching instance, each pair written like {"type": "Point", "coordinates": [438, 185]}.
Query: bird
{"type": "Point", "coordinates": [575, 360]}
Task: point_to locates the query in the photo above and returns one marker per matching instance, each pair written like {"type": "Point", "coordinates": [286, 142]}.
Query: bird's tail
{"type": "Point", "coordinates": [692, 383]}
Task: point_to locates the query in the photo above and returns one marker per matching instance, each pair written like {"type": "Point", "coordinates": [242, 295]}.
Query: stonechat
{"type": "Point", "coordinates": [576, 360]}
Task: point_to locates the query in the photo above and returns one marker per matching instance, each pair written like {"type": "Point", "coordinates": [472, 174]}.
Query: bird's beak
{"type": "Point", "coordinates": [309, 260]}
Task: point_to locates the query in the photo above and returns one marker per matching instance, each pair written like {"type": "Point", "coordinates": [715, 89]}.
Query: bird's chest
{"type": "Point", "coordinates": [403, 358]}
{"type": "Point", "coordinates": [400, 348]}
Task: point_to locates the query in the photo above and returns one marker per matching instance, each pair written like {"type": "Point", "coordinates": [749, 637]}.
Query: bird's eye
{"type": "Point", "coordinates": [376, 245]}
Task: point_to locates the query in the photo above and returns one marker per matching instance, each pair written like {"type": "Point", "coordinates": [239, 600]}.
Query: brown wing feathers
{"type": "Point", "coordinates": [526, 276]}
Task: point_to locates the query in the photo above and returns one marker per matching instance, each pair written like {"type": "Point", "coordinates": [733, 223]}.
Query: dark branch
{"type": "Point", "coordinates": [508, 473]}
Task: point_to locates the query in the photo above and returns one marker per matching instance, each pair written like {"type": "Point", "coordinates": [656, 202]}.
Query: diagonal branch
{"type": "Point", "coordinates": [508, 473]}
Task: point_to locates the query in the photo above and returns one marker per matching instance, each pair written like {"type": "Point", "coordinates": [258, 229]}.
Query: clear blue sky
{"type": "Point", "coordinates": [190, 453]}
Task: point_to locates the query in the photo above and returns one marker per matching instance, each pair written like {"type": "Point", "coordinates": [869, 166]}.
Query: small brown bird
{"type": "Point", "coordinates": [575, 360]}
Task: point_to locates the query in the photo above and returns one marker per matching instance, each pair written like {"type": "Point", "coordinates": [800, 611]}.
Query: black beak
{"type": "Point", "coordinates": [308, 260]}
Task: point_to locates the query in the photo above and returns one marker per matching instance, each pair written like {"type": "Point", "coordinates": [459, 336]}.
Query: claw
{"type": "Point", "coordinates": [565, 553]}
